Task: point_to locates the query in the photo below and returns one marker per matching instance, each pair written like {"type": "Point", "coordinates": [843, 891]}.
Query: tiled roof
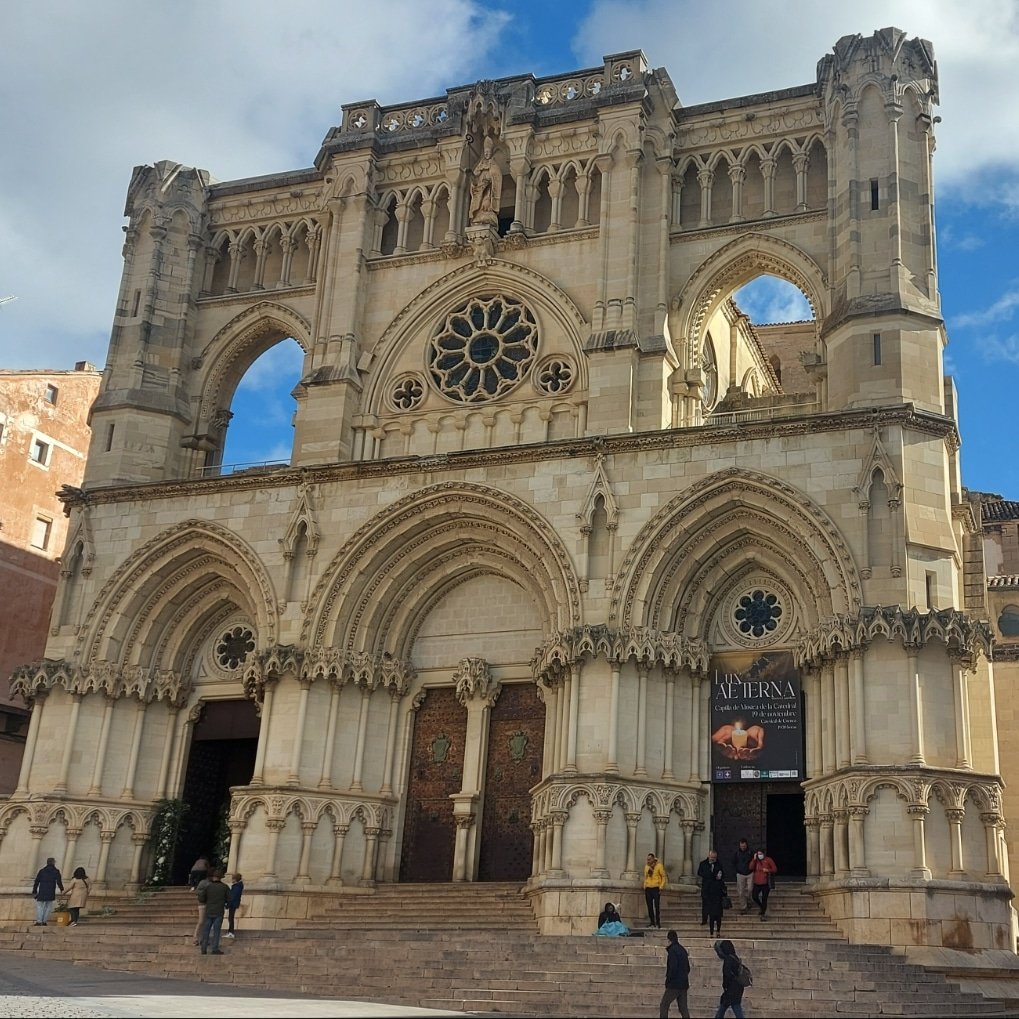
{"type": "Point", "coordinates": [1003, 583]}
{"type": "Point", "coordinates": [1000, 509]}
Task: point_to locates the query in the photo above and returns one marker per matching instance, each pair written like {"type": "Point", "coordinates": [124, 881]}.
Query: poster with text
{"type": "Point", "coordinates": [756, 718]}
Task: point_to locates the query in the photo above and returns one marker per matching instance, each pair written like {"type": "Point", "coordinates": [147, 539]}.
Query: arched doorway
{"type": "Point", "coordinates": [222, 755]}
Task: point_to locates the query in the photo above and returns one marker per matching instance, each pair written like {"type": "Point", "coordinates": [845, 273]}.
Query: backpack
{"type": "Point", "coordinates": [743, 976]}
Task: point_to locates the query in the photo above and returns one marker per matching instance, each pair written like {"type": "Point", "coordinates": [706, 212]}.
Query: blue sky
{"type": "Point", "coordinates": [110, 84]}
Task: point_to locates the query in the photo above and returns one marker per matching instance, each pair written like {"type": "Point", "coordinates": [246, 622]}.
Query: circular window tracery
{"type": "Point", "coordinates": [408, 392]}
{"type": "Point", "coordinates": [554, 375]}
{"type": "Point", "coordinates": [757, 613]}
{"type": "Point", "coordinates": [234, 646]}
{"type": "Point", "coordinates": [483, 349]}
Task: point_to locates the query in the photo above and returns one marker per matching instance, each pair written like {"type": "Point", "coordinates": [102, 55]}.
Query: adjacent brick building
{"type": "Point", "coordinates": [44, 437]}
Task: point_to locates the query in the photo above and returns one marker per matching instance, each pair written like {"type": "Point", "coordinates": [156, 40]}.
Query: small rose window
{"type": "Point", "coordinates": [757, 613]}
{"type": "Point", "coordinates": [234, 646]}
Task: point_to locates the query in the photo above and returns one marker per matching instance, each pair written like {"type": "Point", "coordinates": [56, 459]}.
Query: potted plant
{"type": "Point", "coordinates": [61, 914]}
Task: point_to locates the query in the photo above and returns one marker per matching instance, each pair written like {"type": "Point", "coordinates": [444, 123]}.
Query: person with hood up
{"type": "Point", "coordinates": [610, 923]}
{"type": "Point", "coordinates": [677, 977]}
{"type": "Point", "coordinates": [732, 989]}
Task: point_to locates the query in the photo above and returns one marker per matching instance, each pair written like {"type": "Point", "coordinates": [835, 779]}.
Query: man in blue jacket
{"type": "Point", "coordinates": [44, 891]}
{"type": "Point", "coordinates": [677, 977]}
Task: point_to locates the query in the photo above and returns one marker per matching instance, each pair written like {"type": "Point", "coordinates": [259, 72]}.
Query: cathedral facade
{"type": "Point", "coordinates": [570, 561]}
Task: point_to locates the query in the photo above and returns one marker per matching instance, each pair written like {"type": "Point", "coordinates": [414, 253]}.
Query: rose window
{"type": "Point", "coordinates": [483, 349]}
{"type": "Point", "coordinates": [234, 647]}
{"type": "Point", "coordinates": [408, 392]}
{"type": "Point", "coordinates": [554, 375]}
{"type": "Point", "coordinates": [757, 613]}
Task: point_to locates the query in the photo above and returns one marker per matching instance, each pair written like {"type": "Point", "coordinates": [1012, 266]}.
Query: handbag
{"type": "Point", "coordinates": [726, 903]}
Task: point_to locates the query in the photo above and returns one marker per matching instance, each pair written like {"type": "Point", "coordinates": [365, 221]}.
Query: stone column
{"type": "Point", "coordinates": [69, 736]}
{"type": "Point", "coordinates": [537, 851]}
{"type": "Point", "coordinates": [136, 744]}
{"type": "Point", "coordinates": [991, 822]}
{"type": "Point", "coordinates": [737, 175]}
{"type": "Point", "coordinates": [546, 844]}
{"type": "Point", "coordinates": [105, 841]}
{"type": "Point", "coordinates": [303, 877]}
{"type": "Point", "coordinates": [842, 740]}
{"type": "Point", "coordinates": [395, 697]}
{"type": "Point", "coordinates": [602, 818]}
{"type": "Point", "coordinates": [695, 728]}
{"type": "Point", "coordinates": [661, 823]}
{"type": "Point", "coordinates": [955, 818]}
{"type": "Point", "coordinates": [857, 843]}
{"type": "Point", "coordinates": [234, 855]}
{"type": "Point", "coordinates": [670, 711]}
{"type": "Point", "coordinates": [768, 175]}
{"type": "Point", "coordinates": [704, 724]}
{"type": "Point", "coordinates": [164, 760]}
{"type": "Point", "coordinates": [325, 777]}
{"type": "Point", "coordinates": [840, 834]}
{"type": "Point", "coordinates": [631, 872]}
{"type": "Point", "coordinates": [963, 753]}
{"type": "Point", "coordinates": [813, 847]}
{"type": "Point", "coordinates": [362, 730]}
{"type": "Point", "coordinates": [858, 711]}
{"type": "Point", "coordinates": [800, 163]}
{"type": "Point", "coordinates": [814, 722]}
{"type": "Point", "coordinates": [705, 178]}
{"type": "Point", "coordinates": [38, 833]}
{"type": "Point", "coordinates": [31, 742]}
{"type": "Point", "coordinates": [263, 731]}
{"type": "Point", "coordinates": [294, 778]}
{"type": "Point", "coordinates": [612, 765]}
{"type": "Point", "coordinates": [918, 811]}
{"type": "Point", "coordinates": [371, 836]}
{"type": "Point", "coordinates": [558, 819]}
{"type": "Point", "coordinates": [336, 867]}
{"type": "Point", "coordinates": [915, 707]}
{"type": "Point", "coordinates": [827, 863]}
{"type": "Point", "coordinates": [461, 861]}
{"type": "Point", "coordinates": [828, 721]}
{"type": "Point", "coordinates": [96, 789]}
{"type": "Point", "coordinates": [138, 841]}
{"type": "Point", "coordinates": [689, 827]}
{"type": "Point", "coordinates": [571, 745]}
{"type": "Point", "coordinates": [67, 866]}
{"type": "Point", "coordinates": [563, 705]}
{"type": "Point", "coordinates": [640, 767]}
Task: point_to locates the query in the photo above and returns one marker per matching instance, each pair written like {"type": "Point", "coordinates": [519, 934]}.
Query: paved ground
{"type": "Point", "coordinates": [42, 987]}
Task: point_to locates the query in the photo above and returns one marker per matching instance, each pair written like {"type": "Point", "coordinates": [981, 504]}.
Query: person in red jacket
{"type": "Point", "coordinates": [762, 869]}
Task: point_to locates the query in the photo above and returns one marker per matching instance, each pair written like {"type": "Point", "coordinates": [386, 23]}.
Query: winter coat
{"type": "Point", "coordinates": [710, 875]}
{"type": "Point", "coordinates": [213, 896]}
{"type": "Point", "coordinates": [47, 881]}
{"type": "Point", "coordinates": [234, 898]}
{"type": "Point", "coordinates": [677, 967]}
{"type": "Point", "coordinates": [77, 893]}
{"type": "Point", "coordinates": [762, 870]}
{"type": "Point", "coordinates": [654, 876]}
{"type": "Point", "coordinates": [732, 989]}
{"type": "Point", "coordinates": [742, 859]}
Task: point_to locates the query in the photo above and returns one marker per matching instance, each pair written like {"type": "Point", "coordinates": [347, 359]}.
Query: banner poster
{"type": "Point", "coordinates": [756, 718]}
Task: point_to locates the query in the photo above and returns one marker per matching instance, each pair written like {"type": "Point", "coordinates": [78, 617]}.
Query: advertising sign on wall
{"type": "Point", "coordinates": [756, 718]}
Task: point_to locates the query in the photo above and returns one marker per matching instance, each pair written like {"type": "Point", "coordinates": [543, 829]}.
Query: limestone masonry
{"type": "Point", "coordinates": [571, 561]}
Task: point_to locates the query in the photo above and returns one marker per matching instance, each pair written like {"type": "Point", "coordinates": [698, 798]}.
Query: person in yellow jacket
{"type": "Point", "coordinates": [654, 882]}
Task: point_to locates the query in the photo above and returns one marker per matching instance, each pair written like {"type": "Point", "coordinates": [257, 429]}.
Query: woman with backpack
{"type": "Point", "coordinates": [735, 978]}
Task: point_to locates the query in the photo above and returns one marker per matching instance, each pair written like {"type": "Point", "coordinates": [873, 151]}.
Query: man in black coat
{"type": "Point", "coordinates": [677, 977]}
{"type": "Point", "coordinates": [709, 877]}
{"type": "Point", "coordinates": [44, 891]}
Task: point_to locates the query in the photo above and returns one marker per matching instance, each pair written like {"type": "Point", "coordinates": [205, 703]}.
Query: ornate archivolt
{"type": "Point", "coordinates": [965, 638]}
{"type": "Point", "coordinates": [393, 567]}
{"type": "Point", "coordinates": [557, 315]}
{"type": "Point", "coordinates": [647, 646]}
{"type": "Point", "coordinates": [730, 267]}
{"type": "Point", "coordinates": [130, 611]}
{"type": "Point", "coordinates": [720, 522]}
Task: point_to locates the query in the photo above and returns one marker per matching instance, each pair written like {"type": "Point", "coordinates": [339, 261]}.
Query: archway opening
{"type": "Point", "coordinates": [261, 429]}
{"type": "Point", "coordinates": [222, 755]}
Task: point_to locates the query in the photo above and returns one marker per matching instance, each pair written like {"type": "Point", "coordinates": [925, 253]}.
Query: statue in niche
{"type": "Point", "coordinates": [486, 188]}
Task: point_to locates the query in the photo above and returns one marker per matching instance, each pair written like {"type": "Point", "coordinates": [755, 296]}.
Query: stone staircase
{"type": "Point", "coordinates": [475, 948]}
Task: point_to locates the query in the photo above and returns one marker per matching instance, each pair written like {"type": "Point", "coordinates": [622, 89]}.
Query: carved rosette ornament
{"type": "Point", "coordinates": [474, 681]}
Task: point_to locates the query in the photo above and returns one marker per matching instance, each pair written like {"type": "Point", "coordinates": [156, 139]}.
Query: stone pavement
{"type": "Point", "coordinates": [44, 987]}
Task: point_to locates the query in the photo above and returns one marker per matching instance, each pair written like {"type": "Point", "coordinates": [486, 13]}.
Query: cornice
{"type": "Point", "coordinates": [866, 419]}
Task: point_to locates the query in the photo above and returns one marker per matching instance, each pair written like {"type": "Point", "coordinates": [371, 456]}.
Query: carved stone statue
{"type": "Point", "coordinates": [486, 188]}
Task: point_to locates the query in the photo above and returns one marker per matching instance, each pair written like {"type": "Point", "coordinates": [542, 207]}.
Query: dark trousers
{"type": "Point", "coordinates": [653, 898]}
{"type": "Point", "coordinates": [231, 910]}
{"type": "Point", "coordinates": [673, 994]}
{"type": "Point", "coordinates": [74, 911]}
{"type": "Point", "coordinates": [760, 896]}
{"type": "Point", "coordinates": [211, 926]}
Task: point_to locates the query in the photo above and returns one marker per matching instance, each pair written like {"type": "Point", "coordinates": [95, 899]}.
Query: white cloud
{"type": "Point", "coordinates": [745, 46]}
{"type": "Point", "coordinates": [1000, 348]}
{"type": "Point", "coordinates": [769, 299]}
{"type": "Point", "coordinates": [1002, 310]}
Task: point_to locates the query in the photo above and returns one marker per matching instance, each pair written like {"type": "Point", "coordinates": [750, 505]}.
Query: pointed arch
{"type": "Point", "coordinates": [374, 593]}
{"type": "Point", "coordinates": [728, 522]}
{"type": "Point", "coordinates": [134, 613]}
